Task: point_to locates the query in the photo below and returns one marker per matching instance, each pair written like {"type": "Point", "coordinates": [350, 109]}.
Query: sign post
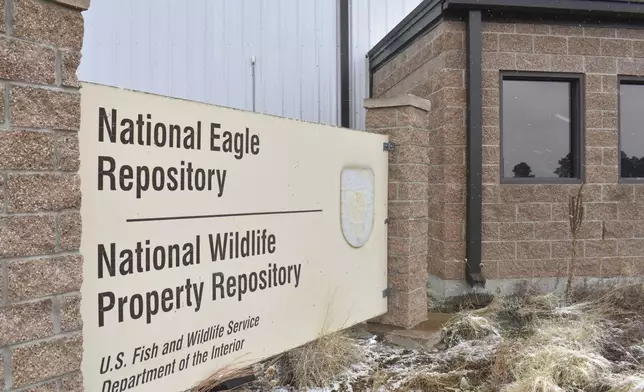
{"type": "Point", "coordinates": [216, 237]}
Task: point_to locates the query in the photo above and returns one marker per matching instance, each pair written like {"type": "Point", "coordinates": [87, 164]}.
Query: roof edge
{"type": "Point", "coordinates": [612, 7]}
{"type": "Point", "coordinates": [429, 12]}
{"type": "Point", "coordinates": [420, 19]}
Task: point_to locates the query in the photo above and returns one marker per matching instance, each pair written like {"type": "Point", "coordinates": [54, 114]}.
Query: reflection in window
{"type": "Point", "coordinates": [539, 127]}
{"type": "Point", "coordinates": [631, 129]}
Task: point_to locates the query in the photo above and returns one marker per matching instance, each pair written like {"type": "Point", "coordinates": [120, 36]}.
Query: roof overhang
{"type": "Point", "coordinates": [419, 21]}
{"type": "Point", "coordinates": [430, 12]}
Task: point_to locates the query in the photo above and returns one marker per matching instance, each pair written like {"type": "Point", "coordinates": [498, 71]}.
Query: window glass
{"type": "Point", "coordinates": [536, 129]}
{"type": "Point", "coordinates": [631, 130]}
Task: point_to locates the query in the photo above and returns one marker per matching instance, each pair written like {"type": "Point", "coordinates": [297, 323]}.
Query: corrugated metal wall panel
{"type": "Point", "coordinates": [330, 79]}
{"type": "Point", "coordinates": [215, 50]}
{"type": "Point", "coordinates": [270, 75]}
{"type": "Point", "coordinates": [371, 20]}
{"type": "Point", "coordinates": [202, 49]}
{"type": "Point", "coordinates": [159, 75]}
{"type": "Point", "coordinates": [360, 44]}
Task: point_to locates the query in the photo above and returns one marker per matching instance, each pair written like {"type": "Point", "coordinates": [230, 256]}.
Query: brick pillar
{"type": "Point", "coordinates": [40, 265]}
{"type": "Point", "coordinates": [404, 120]}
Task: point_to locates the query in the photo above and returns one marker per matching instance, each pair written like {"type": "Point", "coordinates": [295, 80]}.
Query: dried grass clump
{"type": "Point", "coordinates": [585, 334]}
{"type": "Point", "coordinates": [468, 326]}
{"type": "Point", "coordinates": [613, 297]}
{"type": "Point", "coordinates": [221, 376]}
{"type": "Point", "coordinates": [463, 302]}
{"type": "Point", "coordinates": [518, 313]}
{"type": "Point", "coordinates": [590, 342]}
{"type": "Point", "coordinates": [637, 351]}
{"type": "Point", "coordinates": [587, 342]}
{"type": "Point", "coordinates": [502, 365]}
{"type": "Point", "coordinates": [621, 306]}
{"type": "Point", "coordinates": [537, 384]}
{"type": "Point", "coordinates": [379, 379]}
{"type": "Point", "coordinates": [628, 297]}
{"type": "Point", "coordinates": [567, 368]}
{"type": "Point", "coordinates": [435, 382]}
{"type": "Point", "coordinates": [564, 351]}
{"type": "Point", "coordinates": [633, 383]}
{"type": "Point", "coordinates": [542, 304]}
{"type": "Point", "coordinates": [318, 363]}
{"type": "Point", "coordinates": [577, 310]}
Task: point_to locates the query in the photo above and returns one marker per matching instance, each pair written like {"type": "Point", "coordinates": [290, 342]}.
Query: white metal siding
{"type": "Point", "coordinates": [371, 20]}
{"type": "Point", "coordinates": [202, 49]}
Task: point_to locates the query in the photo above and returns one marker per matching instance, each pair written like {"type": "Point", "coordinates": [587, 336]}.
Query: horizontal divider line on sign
{"type": "Point", "coordinates": [167, 218]}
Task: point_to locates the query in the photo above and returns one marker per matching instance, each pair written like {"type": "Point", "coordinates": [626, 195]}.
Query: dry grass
{"type": "Point", "coordinates": [379, 380]}
{"type": "Point", "coordinates": [529, 342]}
{"type": "Point", "coordinates": [567, 348]}
{"type": "Point", "coordinates": [594, 342]}
{"type": "Point", "coordinates": [460, 303]}
{"type": "Point", "coordinates": [435, 382]}
{"type": "Point", "coordinates": [622, 308]}
{"type": "Point", "coordinates": [614, 297]}
{"type": "Point", "coordinates": [585, 333]}
{"type": "Point", "coordinates": [501, 371]}
{"type": "Point", "coordinates": [563, 352]}
{"type": "Point", "coordinates": [221, 376]}
{"type": "Point", "coordinates": [567, 368]}
{"type": "Point", "coordinates": [318, 363]}
{"type": "Point", "coordinates": [468, 326]}
{"type": "Point", "coordinates": [518, 314]}
{"type": "Point", "coordinates": [538, 384]}
{"type": "Point", "coordinates": [632, 383]}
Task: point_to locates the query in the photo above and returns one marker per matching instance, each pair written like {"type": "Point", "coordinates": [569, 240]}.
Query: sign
{"type": "Point", "coordinates": [215, 238]}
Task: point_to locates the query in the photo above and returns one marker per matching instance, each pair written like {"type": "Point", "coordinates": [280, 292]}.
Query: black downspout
{"type": "Point", "coordinates": [345, 100]}
{"type": "Point", "coordinates": [474, 149]}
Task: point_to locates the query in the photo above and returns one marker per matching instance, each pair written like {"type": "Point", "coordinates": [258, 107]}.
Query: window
{"type": "Point", "coordinates": [631, 128]}
{"type": "Point", "coordinates": [541, 128]}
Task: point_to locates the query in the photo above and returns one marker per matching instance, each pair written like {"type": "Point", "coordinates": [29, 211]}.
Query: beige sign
{"type": "Point", "coordinates": [216, 237]}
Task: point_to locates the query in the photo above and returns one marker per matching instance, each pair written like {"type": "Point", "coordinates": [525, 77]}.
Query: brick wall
{"type": "Point", "coordinates": [526, 231]}
{"type": "Point", "coordinates": [525, 227]}
{"type": "Point", "coordinates": [404, 120]}
{"type": "Point", "coordinates": [433, 67]}
{"type": "Point", "coordinates": [40, 266]}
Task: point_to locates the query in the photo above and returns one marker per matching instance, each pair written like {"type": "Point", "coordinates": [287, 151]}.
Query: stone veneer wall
{"type": "Point", "coordinates": [40, 226]}
{"type": "Point", "coordinates": [404, 120]}
{"type": "Point", "coordinates": [526, 227]}
{"type": "Point", "coordinates": [433, 67]}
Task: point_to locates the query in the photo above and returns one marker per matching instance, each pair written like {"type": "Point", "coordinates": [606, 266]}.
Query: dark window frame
{"type": "Point", "coordinates": [625, 79]}
{"type": "Point", "coordinates": [577, 116]}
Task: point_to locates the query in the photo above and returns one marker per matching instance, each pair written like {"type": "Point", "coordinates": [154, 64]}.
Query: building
{"type": "Point", "coordinates": [303, 59]}
{"type": "Point", "coordinates": [531, 103]}
{"type": "Point", "coordinates": [497, 198]}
